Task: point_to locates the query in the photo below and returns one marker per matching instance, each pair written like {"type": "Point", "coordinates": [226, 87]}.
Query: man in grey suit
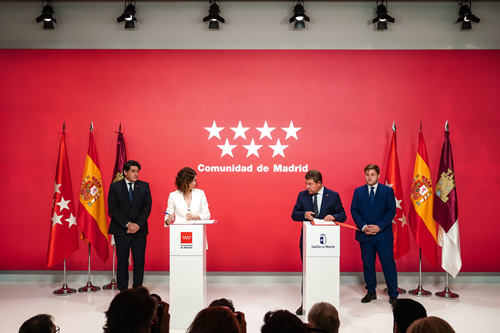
{"type": "Point", "coordinates": [129, 204]}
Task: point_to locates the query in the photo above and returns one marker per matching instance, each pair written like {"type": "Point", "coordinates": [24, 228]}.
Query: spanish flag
{"type": "Point", "coordinates": [92, 211]}
{"type": "Point", "coordinates": [421, 211]}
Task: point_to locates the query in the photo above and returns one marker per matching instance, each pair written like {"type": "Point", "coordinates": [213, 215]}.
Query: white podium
{"type": "Point", "coordinates": [321, 265]}
{"type": "Point", "coordinates": [187, 271]}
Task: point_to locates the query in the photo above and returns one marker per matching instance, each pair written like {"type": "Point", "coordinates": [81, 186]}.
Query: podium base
{"type": "Point", "coordinates": [420, 292]}
{"type": "Point", "coordinates": [110, 286]}
{"type": "Point", "coordinates": [447, 294]}
{"type": "Point", "coordinates": [89, 288]}
{"type": "Point", "coordinates": [64, 291]}
{"type": "Point", "coordinates": [401, 291]}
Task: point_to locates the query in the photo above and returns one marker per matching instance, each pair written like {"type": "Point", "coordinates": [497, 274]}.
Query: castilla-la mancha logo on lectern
{"type": "Point", "coordinates": [322, 239]}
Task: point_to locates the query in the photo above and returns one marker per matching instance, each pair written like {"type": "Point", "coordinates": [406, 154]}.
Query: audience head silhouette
{"type": "Point", "coordinates": [42, 323]}
{"type": "Point", "coordinates": [324, 316]}
{"type": "Point", "coordinates": [216, 319]}
{"type": "Point", "coordinates": [430, 325]}
{"type": "Point", "coordinates": [405, 312]}
{"type": "Point", "coordinates": [223, 302]}
{"type": "Point", "coordinates": [282, 321]}
{"type": "Point", "coordinates": [130, 311]}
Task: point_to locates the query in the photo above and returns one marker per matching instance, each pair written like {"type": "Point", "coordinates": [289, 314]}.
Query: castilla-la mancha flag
{"type": "Point", "coordinates": [399, 223]}
{"type": "Point", "coordinates": [446, 211]}
{"type": "Point", "coordinates": [63, 239]}
{"type": "Point", "coordinates": [422, 197]}
{"type": "Point", "coordinates": [92, 210]}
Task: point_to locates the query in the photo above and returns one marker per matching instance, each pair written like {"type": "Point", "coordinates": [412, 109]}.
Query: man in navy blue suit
{"type": "Point", "coordinates": [373, 208]}
{"type": "Point", "coordinates": [317, 202]}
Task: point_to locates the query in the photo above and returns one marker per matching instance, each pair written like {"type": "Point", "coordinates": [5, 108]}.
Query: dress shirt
{"type": "Point", "coordinates": [319, 199]}
{"type": "Point", "coordinates": [374, 193]}
{"type": "Point", "coordinates": [370, 188]}
{"type": "Point", "coordinates": [128, 186]}
{"type": "Point", "coordinates": [128, 189]}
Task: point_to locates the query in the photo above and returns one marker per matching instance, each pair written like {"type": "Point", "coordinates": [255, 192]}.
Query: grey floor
{"type": "Point", "coordinates": [478, 308]}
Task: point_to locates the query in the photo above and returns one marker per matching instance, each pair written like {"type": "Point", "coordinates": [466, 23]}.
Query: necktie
{"type": "Point", "coordinates": [315, 205]}
{"type": "Point", "coordinates": [130, 191]}
{"type": "Point", "coordinates": [372, 194]}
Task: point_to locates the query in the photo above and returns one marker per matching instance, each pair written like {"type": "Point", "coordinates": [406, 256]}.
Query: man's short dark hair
{"type": "Point", "coordinates": [282, 321]}
{"type": "Point", "coordinates": [406, 311]}
{"type": "Point", "coordinates": [131, 163]}
{"type": "Point", "coordinates": [41, 323]}
{"type": "Point", "coordinates": [315, 175]}
{"type": "Point", "coordinates": [223, 302]}
{"type": "Point", "coordinates": [373, 167]}
{"type": "Point", "coordinates": [130, 311]}
{"type": "Point", "coordinates": [324, 316]}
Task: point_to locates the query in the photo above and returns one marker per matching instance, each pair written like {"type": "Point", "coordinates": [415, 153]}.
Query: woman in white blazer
{"type": "Point", "coordinates": [187, 203]}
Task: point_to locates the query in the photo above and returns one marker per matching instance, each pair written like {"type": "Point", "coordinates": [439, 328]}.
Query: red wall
{"type": "Point", "coordinates": [344, 102]}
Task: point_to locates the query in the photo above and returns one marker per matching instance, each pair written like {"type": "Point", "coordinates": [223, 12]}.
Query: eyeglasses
{"type": "Point", "coordinates": [57, 329]}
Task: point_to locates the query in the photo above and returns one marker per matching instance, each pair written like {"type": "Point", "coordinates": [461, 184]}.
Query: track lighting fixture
{"type": "Point", "coordinates": [299, 15]}
{"type": "Point", "coordinates": [46, 17]}
{"type": "Point", "coordinates": [213, 15]}
{"type": "Point", "coordinates": [128, 15]}
{"type": "Point", "coordinates": [382, 16]}
{"type": "Point", "coordinates": [465, 15]}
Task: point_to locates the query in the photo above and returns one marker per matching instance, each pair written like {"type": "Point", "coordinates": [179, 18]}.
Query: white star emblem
{"type": "Point", "coordinates": [291, 131]}
{"type": "Point", "coordinates": [265, 131]}
{"type": "Point", "coordinates": [214, 130]}
{"type": "Point", "coordinates": [387, 184]}
{"type": "Point", "coordinates": [56, 219]}
{"type": "Point", "coordinates": [226, 149]}
{"type": "Point", "coordinates": [63, 204]}
{"type": "Point", "coordinates": [71, 220]}
{"type": "Point", "coordinates": [240, 131]}
{"type": "Point", "coordinates": [278, 148]}
{"type": "Point", "coordinates": [56, 187]}
{"type": "Point", "coordinates": [403, 220]}
{"type": "Point", "coordinates": [398, 203]}
{"type": "Point", "coordinates": [252, 149]}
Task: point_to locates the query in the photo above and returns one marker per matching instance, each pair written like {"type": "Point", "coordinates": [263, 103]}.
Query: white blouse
{"type": "Point", "coordinates": [178, 206]}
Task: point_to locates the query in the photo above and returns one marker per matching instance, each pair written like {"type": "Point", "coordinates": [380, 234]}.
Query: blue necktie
{"type": "Point", "coordinates": [130, 191]}
{"type": "Point", "coordinates": [372, 194]}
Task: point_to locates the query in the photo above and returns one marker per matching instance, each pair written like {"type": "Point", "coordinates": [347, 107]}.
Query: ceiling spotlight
{"type": "Point", "coordinates": [213, 15]}
{"type": "Point", "coordinates": [382, 16]}
{"type": "Point", "coordinates": [128, 15]}
{"type": "Point", "coordinates": [46, 17]}
{"type": "Point", "coordinates": [299, 15]}
{"type": "Point", "coordinates": [465, 15]}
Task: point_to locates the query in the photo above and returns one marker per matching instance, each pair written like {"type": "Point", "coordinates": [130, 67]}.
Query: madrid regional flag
{"type": "Point", "coordinates": [92, 210]}
{"type": "Point", "coordinates": [422, 197]}
{"type": "Point", "coordinates": [399, 223]}
{"type": "Point", "coordinates": [63, 239]}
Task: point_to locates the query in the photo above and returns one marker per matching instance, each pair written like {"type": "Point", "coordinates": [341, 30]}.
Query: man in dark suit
{"type": "Point", "coordinates": [373, 208]}
{"type": "Point", "coordinates": [316, 202]}
{"type": "Point", "coordinates": [129, 204]}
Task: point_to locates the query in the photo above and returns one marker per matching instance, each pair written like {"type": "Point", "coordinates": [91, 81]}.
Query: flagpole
{"type": "Point", "coordinates": [419, 291]}
{"type": "Point", "coordinates": [64, 289]}
{"type": "Point", "coordinates": [112, 285]}
{"type": "Point", "coordinates": [446, 293]}
{"type": "Point", "coordinates": [89, 288]}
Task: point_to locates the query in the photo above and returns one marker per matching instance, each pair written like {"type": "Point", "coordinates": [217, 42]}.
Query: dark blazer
{"type": "Point", "coordinates": [381, 213]}
{"type": "Point", "coordinates": [330, 205]}
{"type": "Point", "coordinates": [123, 211]}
